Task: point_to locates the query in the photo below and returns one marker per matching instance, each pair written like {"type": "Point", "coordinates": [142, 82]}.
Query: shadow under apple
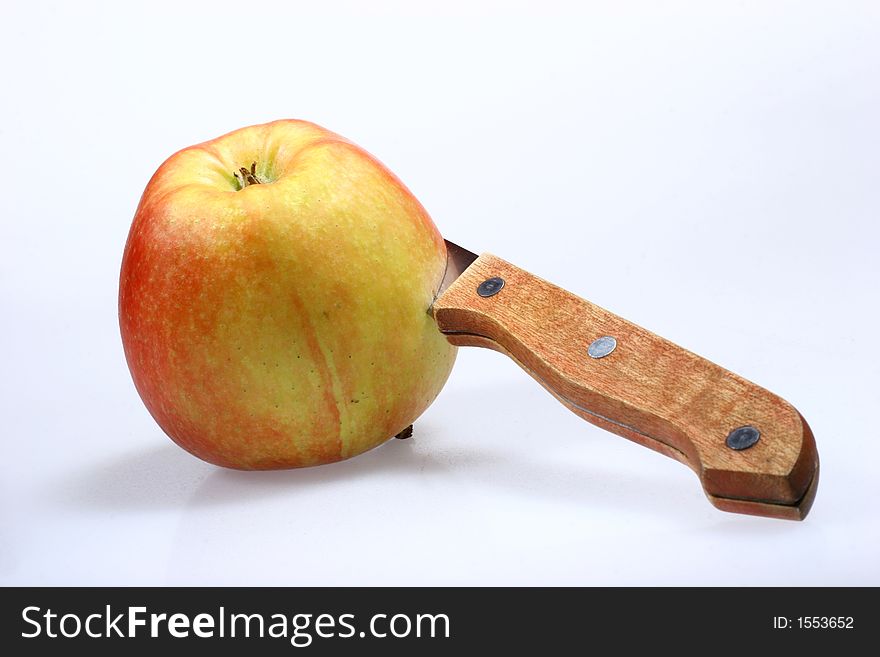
{"type": "Point", "coordinates": [166, 477]}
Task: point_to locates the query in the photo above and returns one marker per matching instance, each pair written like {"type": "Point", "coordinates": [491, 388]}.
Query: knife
{"type": "Point", "coordinates": [753, 452]}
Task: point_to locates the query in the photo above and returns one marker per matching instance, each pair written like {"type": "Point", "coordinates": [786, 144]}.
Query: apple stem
{"type": "Point", "coordinates": [245, 177]}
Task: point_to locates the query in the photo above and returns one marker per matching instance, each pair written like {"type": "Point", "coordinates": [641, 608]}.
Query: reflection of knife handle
{"type": "Point", "coordinates": [646, 389]}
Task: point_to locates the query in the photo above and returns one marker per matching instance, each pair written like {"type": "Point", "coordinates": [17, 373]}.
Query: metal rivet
{"type": "Point", "coordinates": [743, 437]}
{"type": "Point", "coordinates": [490, 286]}
{"type": "Point", "coordinates": [601, 347]}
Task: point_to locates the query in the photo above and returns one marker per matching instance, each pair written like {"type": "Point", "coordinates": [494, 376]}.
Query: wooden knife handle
{"type": "Point", "coordinates": [647, 389]}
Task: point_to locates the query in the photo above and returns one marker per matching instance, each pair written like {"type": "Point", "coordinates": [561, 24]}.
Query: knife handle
{"type": "Point", "coordinates": [646, 388]}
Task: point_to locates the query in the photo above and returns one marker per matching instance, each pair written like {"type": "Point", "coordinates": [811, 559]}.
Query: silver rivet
{"type": "Point", "coordinates": [601, 347]}
{"type": "Point", "coordinates": [743, 437]}
{"type": "Point", "coordinates": [490, 287]}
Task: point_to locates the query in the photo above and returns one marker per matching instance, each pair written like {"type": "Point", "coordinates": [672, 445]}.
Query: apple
{"type": "Point", "coordinates": [274, 299]}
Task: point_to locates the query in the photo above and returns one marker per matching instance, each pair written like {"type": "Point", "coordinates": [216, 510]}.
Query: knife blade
{"type": "Point", "coordinates": [753, 452]}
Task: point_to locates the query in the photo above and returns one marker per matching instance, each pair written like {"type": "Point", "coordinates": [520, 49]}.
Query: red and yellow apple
{"type": "Point", "coordinates": [274, 299]}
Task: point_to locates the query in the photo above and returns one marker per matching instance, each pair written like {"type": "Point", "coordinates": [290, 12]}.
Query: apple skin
{"type": "Point", "coordinates": [282, 324]}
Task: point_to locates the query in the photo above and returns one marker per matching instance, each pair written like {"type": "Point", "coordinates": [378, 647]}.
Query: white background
{"type": "Point", "coordinates": [709, 171]}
